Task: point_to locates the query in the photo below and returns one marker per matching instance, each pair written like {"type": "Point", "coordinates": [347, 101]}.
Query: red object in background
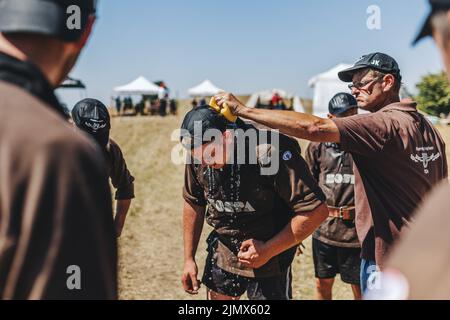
{"type": "Point", "coordinates": [276, 99]}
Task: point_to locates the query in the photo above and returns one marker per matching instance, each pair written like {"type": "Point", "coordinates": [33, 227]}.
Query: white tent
{"type": "Point", "coordinates": [138, 87]}
{"type": "Point", "coordinates": [298, 105]}
{"type": "Point", "coordinates": [204, 89]}
{"type": "Point", "coordinates": [326, 85]}
{"type": "Point", "coordinates": [265, 97]}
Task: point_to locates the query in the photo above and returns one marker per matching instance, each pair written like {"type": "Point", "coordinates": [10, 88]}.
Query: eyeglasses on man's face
{"type": "Point", "coordinates": [362, 84]}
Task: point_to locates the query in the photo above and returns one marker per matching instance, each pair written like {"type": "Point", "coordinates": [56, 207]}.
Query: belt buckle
{"type": "Point", "coordinates": [341, 212]}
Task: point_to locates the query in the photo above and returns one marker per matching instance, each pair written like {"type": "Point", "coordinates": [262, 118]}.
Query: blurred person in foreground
{"type": "Point", "coordinates": [258, 217]}
{"type": "Point", "coordinates": [419, 266]}
{"type": "Point", "coordinates": [399, 156]}
{"type": "Point", "coordinates": [336, 247]}
{"type": "Point", "coordinates": [56, 230]}
{"type": "Point", "coordinates": [92, 117]}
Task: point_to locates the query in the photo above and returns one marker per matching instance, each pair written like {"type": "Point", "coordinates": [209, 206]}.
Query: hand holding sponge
{"type": "Point", "coordinates": [224, 110]}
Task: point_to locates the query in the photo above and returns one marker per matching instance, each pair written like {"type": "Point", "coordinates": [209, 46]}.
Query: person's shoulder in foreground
{"type": "Point", "coordinates": [48, 168]}
{"type": "Point", "coordinates": [33, 125]}
{"type": "Point", "coordinates": [423, 249]}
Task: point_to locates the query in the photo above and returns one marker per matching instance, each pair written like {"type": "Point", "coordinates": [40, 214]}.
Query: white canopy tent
{"type": "Point", "coordinates": [298, 105]}
{"type": "Point", "coordinates": [325, 86]}
{"type": "Point", "coordinates": [140, 86]}
{"type": "Point", "coordinates": [204, 89]}
{"type": "Point", "coordinates": [264, 97]}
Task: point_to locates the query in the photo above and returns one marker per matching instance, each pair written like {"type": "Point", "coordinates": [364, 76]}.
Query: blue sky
{"type": "Point", "coordinates": [246, 45]}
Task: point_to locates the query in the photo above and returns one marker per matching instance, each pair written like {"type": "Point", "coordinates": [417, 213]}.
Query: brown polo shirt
{"type": "Point", "coordinates": [399, 156]}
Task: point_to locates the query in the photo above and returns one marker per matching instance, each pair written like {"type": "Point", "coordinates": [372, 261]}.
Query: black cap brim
{"type": "Point", "coordinates": [40, 17]}
{"type": "Point", "coordinates": [347, 74]}
{"type": "Point", "coordinates": [425, 31]}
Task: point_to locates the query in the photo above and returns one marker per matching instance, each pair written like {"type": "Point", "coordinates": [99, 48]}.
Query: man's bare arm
{"type": "Point", "coordinates": [296, 124]}
{"type": "Point", "coordinates": [193, 218]}
{"type": "Point", "coordinates": [256, 253]}
{"type": "Point", "coordinates": [122, 207]}
{"type": "Point", "coordinates": [300, 227]}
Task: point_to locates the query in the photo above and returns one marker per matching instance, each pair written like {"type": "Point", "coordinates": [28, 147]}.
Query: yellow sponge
{"type": "Point", "coordinates": [224, 111]}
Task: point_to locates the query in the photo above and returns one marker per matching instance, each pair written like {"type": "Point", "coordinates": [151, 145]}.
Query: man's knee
{"type": "Point", "coordinates": [324, 285]}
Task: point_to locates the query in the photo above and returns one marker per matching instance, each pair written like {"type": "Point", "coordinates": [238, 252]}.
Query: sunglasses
{"type": "Point", "coordinates": [362, 84]}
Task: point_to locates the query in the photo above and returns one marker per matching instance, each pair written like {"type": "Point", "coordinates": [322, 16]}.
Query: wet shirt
{"type": "Point", "coordinates": [399, 156]}
{"type": "Point", "coordinates": [55, 203]}
{"type": "Point", "coordinates": [333, 169]}
{"type": "Point", "coordinates": [244, 204]}
{"type": "Point", "coordinates": [121, 178]}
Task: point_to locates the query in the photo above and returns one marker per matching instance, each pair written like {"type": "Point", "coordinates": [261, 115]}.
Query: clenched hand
{"type": "Point", "coordinates": [233, 103]}
{"type": "Point", "coordinates": [254, 254]}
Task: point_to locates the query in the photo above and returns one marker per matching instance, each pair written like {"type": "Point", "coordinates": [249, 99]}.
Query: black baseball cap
{"type": "Point", "coordinates": [436, 6]}
{"type": "Point", "coordinates": [377, 61]}
{"type": "Point", "coordinates": [92, 116]}
{"type": "Point", "coordinates": [342, 102]}
{"type": "Point", "coordinates": [48, 17]}
{"type": "Point", "coordinates": [205, 118]}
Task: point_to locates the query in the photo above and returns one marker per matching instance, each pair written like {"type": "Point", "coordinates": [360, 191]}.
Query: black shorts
{"type": "Point", "coordinates": [233, 285]}
{"type": "Point", "coordinates": [331, 260]}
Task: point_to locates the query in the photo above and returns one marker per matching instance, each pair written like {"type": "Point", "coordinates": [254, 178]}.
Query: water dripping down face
{"type": "Point", "coordinates": [215, 154]}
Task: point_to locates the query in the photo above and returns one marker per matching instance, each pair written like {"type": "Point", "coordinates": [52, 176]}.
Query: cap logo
{"type": "Point", "coordinates": [337, 101]}
{"type": "Point", "coordinates": [95, 125]}
{"type": "Point", "coordinates": [375, 63]}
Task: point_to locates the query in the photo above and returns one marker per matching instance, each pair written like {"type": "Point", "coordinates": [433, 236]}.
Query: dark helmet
{"type": "Point", "coordinates": [92, 116]}
{"type": "Point", "coordinates": [63, 19]}
{"type": "Point", "coordinates": [341, 102]}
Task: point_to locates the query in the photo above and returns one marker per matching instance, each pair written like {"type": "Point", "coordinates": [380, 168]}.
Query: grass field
{"type": "Point", "coordinates": [151, 247]}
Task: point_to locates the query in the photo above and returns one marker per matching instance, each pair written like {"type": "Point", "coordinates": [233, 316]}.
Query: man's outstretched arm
{"type": "Point", "coordinates": [300, 125]}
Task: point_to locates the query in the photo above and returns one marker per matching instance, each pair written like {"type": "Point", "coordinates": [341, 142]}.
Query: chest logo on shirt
{"type": "Point", "coordinates": [340, 178]}
{"type": "Point", "coordinates": [231, 207]}
{"type": "Point", "coordinates": [287, 156]}
{"type": "Point", "coordinates": [425, 159]}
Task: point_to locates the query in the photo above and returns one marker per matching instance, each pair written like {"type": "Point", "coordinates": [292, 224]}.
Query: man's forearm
{"type": "Point", "coordinates": [300, 227]}
{"type": "Point", "coordinates": [193, 218]}
{"type": "Point", "coordinates": [122, 207]}
{"type": "Point", "coordinates": [300, 125]}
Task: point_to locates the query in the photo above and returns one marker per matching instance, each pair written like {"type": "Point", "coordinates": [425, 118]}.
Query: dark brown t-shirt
{"type": "Point", "coordinates": [399, 156]}
{"type": "Point", "coordinates": [121, 178]}
{"type": "Point", "coordinates": [333, 169]}
{"type": "Point", "coordinates": [55, 206]}
{"type": "Point", "coordinates": [243, 204]}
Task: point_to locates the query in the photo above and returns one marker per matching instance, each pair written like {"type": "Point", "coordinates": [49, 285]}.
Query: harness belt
{"type": "Point", "coordinates": [344, 213]}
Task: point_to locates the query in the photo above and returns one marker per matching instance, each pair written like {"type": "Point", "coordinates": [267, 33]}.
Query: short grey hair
{"type": "Point", "coordinates": [398, 79]}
